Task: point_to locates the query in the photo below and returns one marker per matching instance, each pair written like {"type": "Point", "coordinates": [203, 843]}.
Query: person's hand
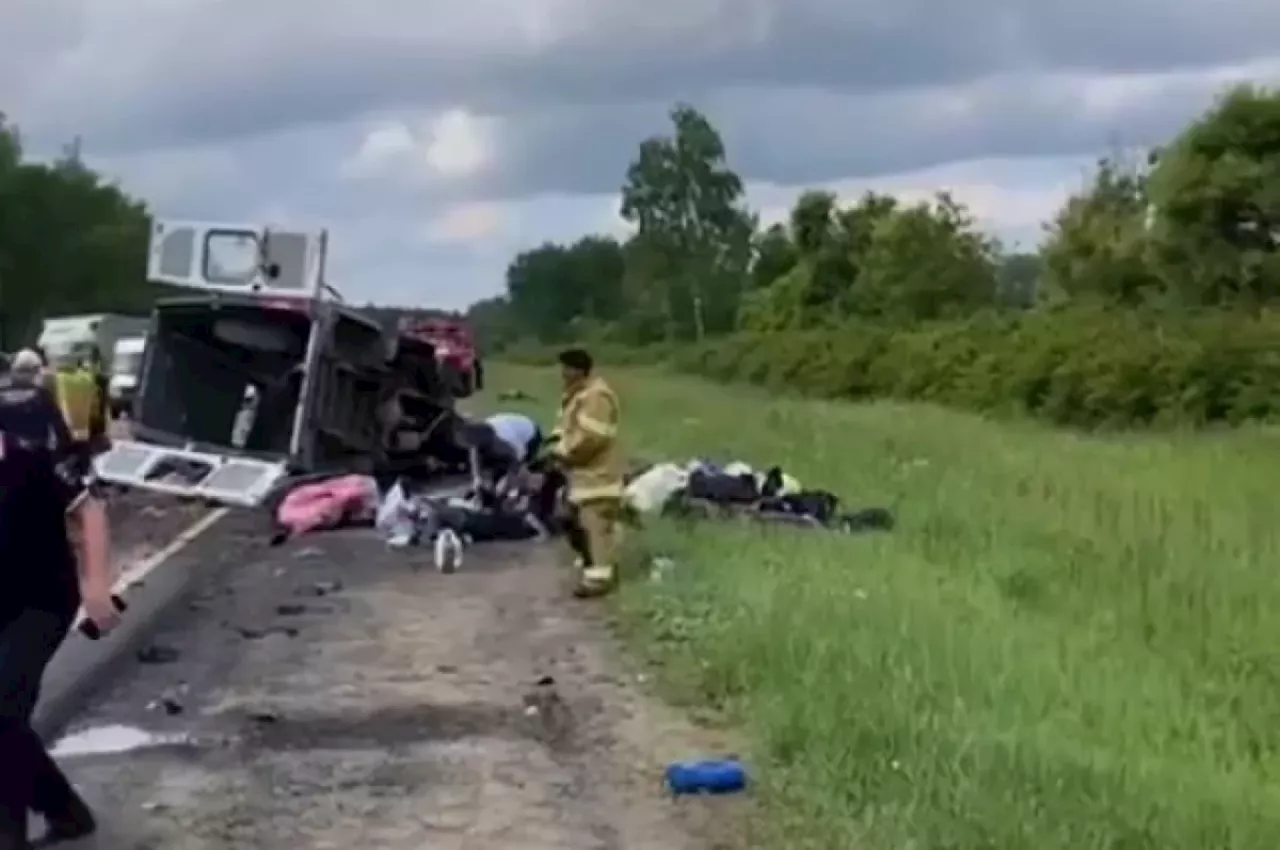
{"type": "Point", "coordinates": [99, 608]}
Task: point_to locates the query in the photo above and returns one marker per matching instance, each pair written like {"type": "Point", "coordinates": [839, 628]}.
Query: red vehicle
{"type": "Point", "coordinates": [455, 348]}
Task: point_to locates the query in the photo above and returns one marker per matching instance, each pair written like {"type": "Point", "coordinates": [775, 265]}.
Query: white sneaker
{"type": "Point", "coordinates": [448, 551]}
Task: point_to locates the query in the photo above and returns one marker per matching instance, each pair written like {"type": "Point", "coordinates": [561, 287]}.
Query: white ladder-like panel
{"type": "Point", "coordinates": [222, 478]}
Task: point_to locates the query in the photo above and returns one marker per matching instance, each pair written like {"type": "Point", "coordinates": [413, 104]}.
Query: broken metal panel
{"type": "Point", "coordinates": [237, 258]}
{"type": "Point", "coordinates": [302, 435]}
{"type": "Point", "coordinates": [222, 478]}
{"type": "Point", "coordinates": [347, 380]}
{"type": "Point", "coordinates": [291, 255]}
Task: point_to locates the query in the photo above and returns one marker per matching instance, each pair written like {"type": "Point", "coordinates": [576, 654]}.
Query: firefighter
{"type": "Point", "coordinates": [586, 446]}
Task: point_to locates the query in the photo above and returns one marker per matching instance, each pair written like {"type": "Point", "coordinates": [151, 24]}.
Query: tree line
{"type": "Point", "coordinates": [70, 241]}
{"type": "Point", "coordinates": [1151, 298]}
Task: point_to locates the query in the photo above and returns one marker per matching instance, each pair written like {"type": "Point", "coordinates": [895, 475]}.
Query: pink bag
{"type": "Point", "coordinates": [328, 504]}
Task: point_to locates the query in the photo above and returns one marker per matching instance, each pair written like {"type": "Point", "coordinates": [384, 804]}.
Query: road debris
{"type": "Point", "coordinates": [718, 776]}
{"type": "Point", "coordinates": [107, 740]}
{"type": "Point", "coordinates": [470, 711]}
{"type": "Point", "coordinates": [157, 654]}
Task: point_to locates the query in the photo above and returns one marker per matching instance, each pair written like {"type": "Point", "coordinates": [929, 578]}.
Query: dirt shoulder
{"type": "Point", "coordinates": [330, 693]}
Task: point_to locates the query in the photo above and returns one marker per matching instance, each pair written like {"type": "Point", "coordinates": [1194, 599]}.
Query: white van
{"type": "Point", "coordinates": [126, 365]}
{"type": "Point", "coordinates": [74, 339]}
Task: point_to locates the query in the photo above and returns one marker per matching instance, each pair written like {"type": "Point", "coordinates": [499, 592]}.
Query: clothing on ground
{"type": "Point", "coordinates": [649, 491]}
{"type": "Point", "coordinates": [703, 488]}
{"type": "Point", "coordinates": [735, 483]}
{"type": "Point", "coordinates": [335, 503]}
{"type": "Point", "coordinates": [412, 519]}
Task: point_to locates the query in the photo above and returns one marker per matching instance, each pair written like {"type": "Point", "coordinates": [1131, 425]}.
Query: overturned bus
{"type": "Point", "coordinates": [261, 374]}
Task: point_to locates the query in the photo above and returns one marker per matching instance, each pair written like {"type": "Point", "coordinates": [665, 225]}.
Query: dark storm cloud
{"type": "Point", "coordinates": [256, 68]}
{"type": "Point", "coordinates": [794, 137]}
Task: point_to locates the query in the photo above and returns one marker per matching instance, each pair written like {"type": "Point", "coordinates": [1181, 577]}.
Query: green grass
{"type": "Point", "coordinates": [1069, 643]}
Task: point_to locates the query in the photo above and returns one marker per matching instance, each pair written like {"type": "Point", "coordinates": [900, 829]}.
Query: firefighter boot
{"type": "Point", "coordinates": [594, 582]}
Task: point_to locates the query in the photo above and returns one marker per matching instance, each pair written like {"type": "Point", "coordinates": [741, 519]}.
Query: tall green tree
{"type": "Point", "coordinates": [69, 241]}
{"type": "Point", "coordinates": [494, 323]}
{"type": "Point", "coordinates": [927, 261]}
{"type": "Point", "coordinates": [10, 157]}
{"type": "Point", "coordinates": [693, 226]}
{"type": "Point", "coordinates": [806, 291]}
{"type": "Point", "coordinates": [813, 221]}
{"type": "Point", "coordinates": [1214, 196]}
{"type": "Point", "coordinates": [1098, 245]}
{"type": "Point", "coordinates": [775, 255]}
{"type": "Point", "coordinates": [1018, 276]}
{"type": "Point", "coordinates": [554, 289]}
{"type": "Point", "coordinates": [543, 305]}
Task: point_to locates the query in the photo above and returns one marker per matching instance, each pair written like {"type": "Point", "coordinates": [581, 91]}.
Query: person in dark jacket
{"type": "Point", "coordinates": [42, 584]}
{"type": "Point", "coordinates": [29, 410]}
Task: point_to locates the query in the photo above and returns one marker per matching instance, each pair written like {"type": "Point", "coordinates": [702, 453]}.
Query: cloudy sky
{"type": "Point", "coordinates": [435, 139]}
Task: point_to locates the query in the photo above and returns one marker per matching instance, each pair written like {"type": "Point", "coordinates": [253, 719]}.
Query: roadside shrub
{"type": "Point", "coordinates": [1086, 367]}
{"type": "Point", "coordinates": [529, 353]}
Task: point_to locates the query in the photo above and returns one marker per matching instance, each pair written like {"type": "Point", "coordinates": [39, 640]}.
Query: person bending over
{"type": "Point", "coordinates": [499, 447]}
{"type": "Point", "coordinates": [519, 433]}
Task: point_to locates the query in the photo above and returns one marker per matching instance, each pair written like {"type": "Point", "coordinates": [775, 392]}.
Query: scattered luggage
{"type": "Point", "coordinates": [703, 490]}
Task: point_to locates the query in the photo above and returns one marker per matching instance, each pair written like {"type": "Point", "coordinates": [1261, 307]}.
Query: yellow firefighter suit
{"type": "Point", "coordinates": [588, 449]}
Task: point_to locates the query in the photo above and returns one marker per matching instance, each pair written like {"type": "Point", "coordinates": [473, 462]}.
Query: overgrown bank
{"type": "Point", "coordinates": [1078, 367]}
{"type": "Point", "coordinates": [1066, 644]}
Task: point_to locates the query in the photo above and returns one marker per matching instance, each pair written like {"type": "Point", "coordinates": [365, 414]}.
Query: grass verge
{"type": "Point", "coordinates": [1070, 643]}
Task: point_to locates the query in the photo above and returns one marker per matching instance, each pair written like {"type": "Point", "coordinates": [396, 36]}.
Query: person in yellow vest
{"type": "Point", "coordinates": [100, 421]}
{"type": "Point", "coordinates": [76, 389]}
{"type": "Point", "coordinates": [586, 446]}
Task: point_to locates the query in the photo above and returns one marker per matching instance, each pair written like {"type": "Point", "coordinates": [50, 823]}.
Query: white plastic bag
{"type": "Point", "coordinates": [396, 517]}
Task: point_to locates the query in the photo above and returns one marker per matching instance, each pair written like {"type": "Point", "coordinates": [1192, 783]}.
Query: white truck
{"type": "Point", "coordinates": [77, 337]}
{"type": "Point", "coordinates": [260, 373]}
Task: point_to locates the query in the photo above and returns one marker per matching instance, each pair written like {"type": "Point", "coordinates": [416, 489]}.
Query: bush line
{"type": "Point", "coordinates": [1092, 368]}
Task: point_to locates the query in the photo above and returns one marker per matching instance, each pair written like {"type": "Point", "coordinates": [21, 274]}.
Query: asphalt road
{"type": "Point", "coordinates": [143, 526]}
{"type": "Point", "coordinates": [334, 693]}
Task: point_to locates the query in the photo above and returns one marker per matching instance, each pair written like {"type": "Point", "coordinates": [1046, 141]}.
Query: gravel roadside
{"type": "Point", "coordinates": [327, 692]}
